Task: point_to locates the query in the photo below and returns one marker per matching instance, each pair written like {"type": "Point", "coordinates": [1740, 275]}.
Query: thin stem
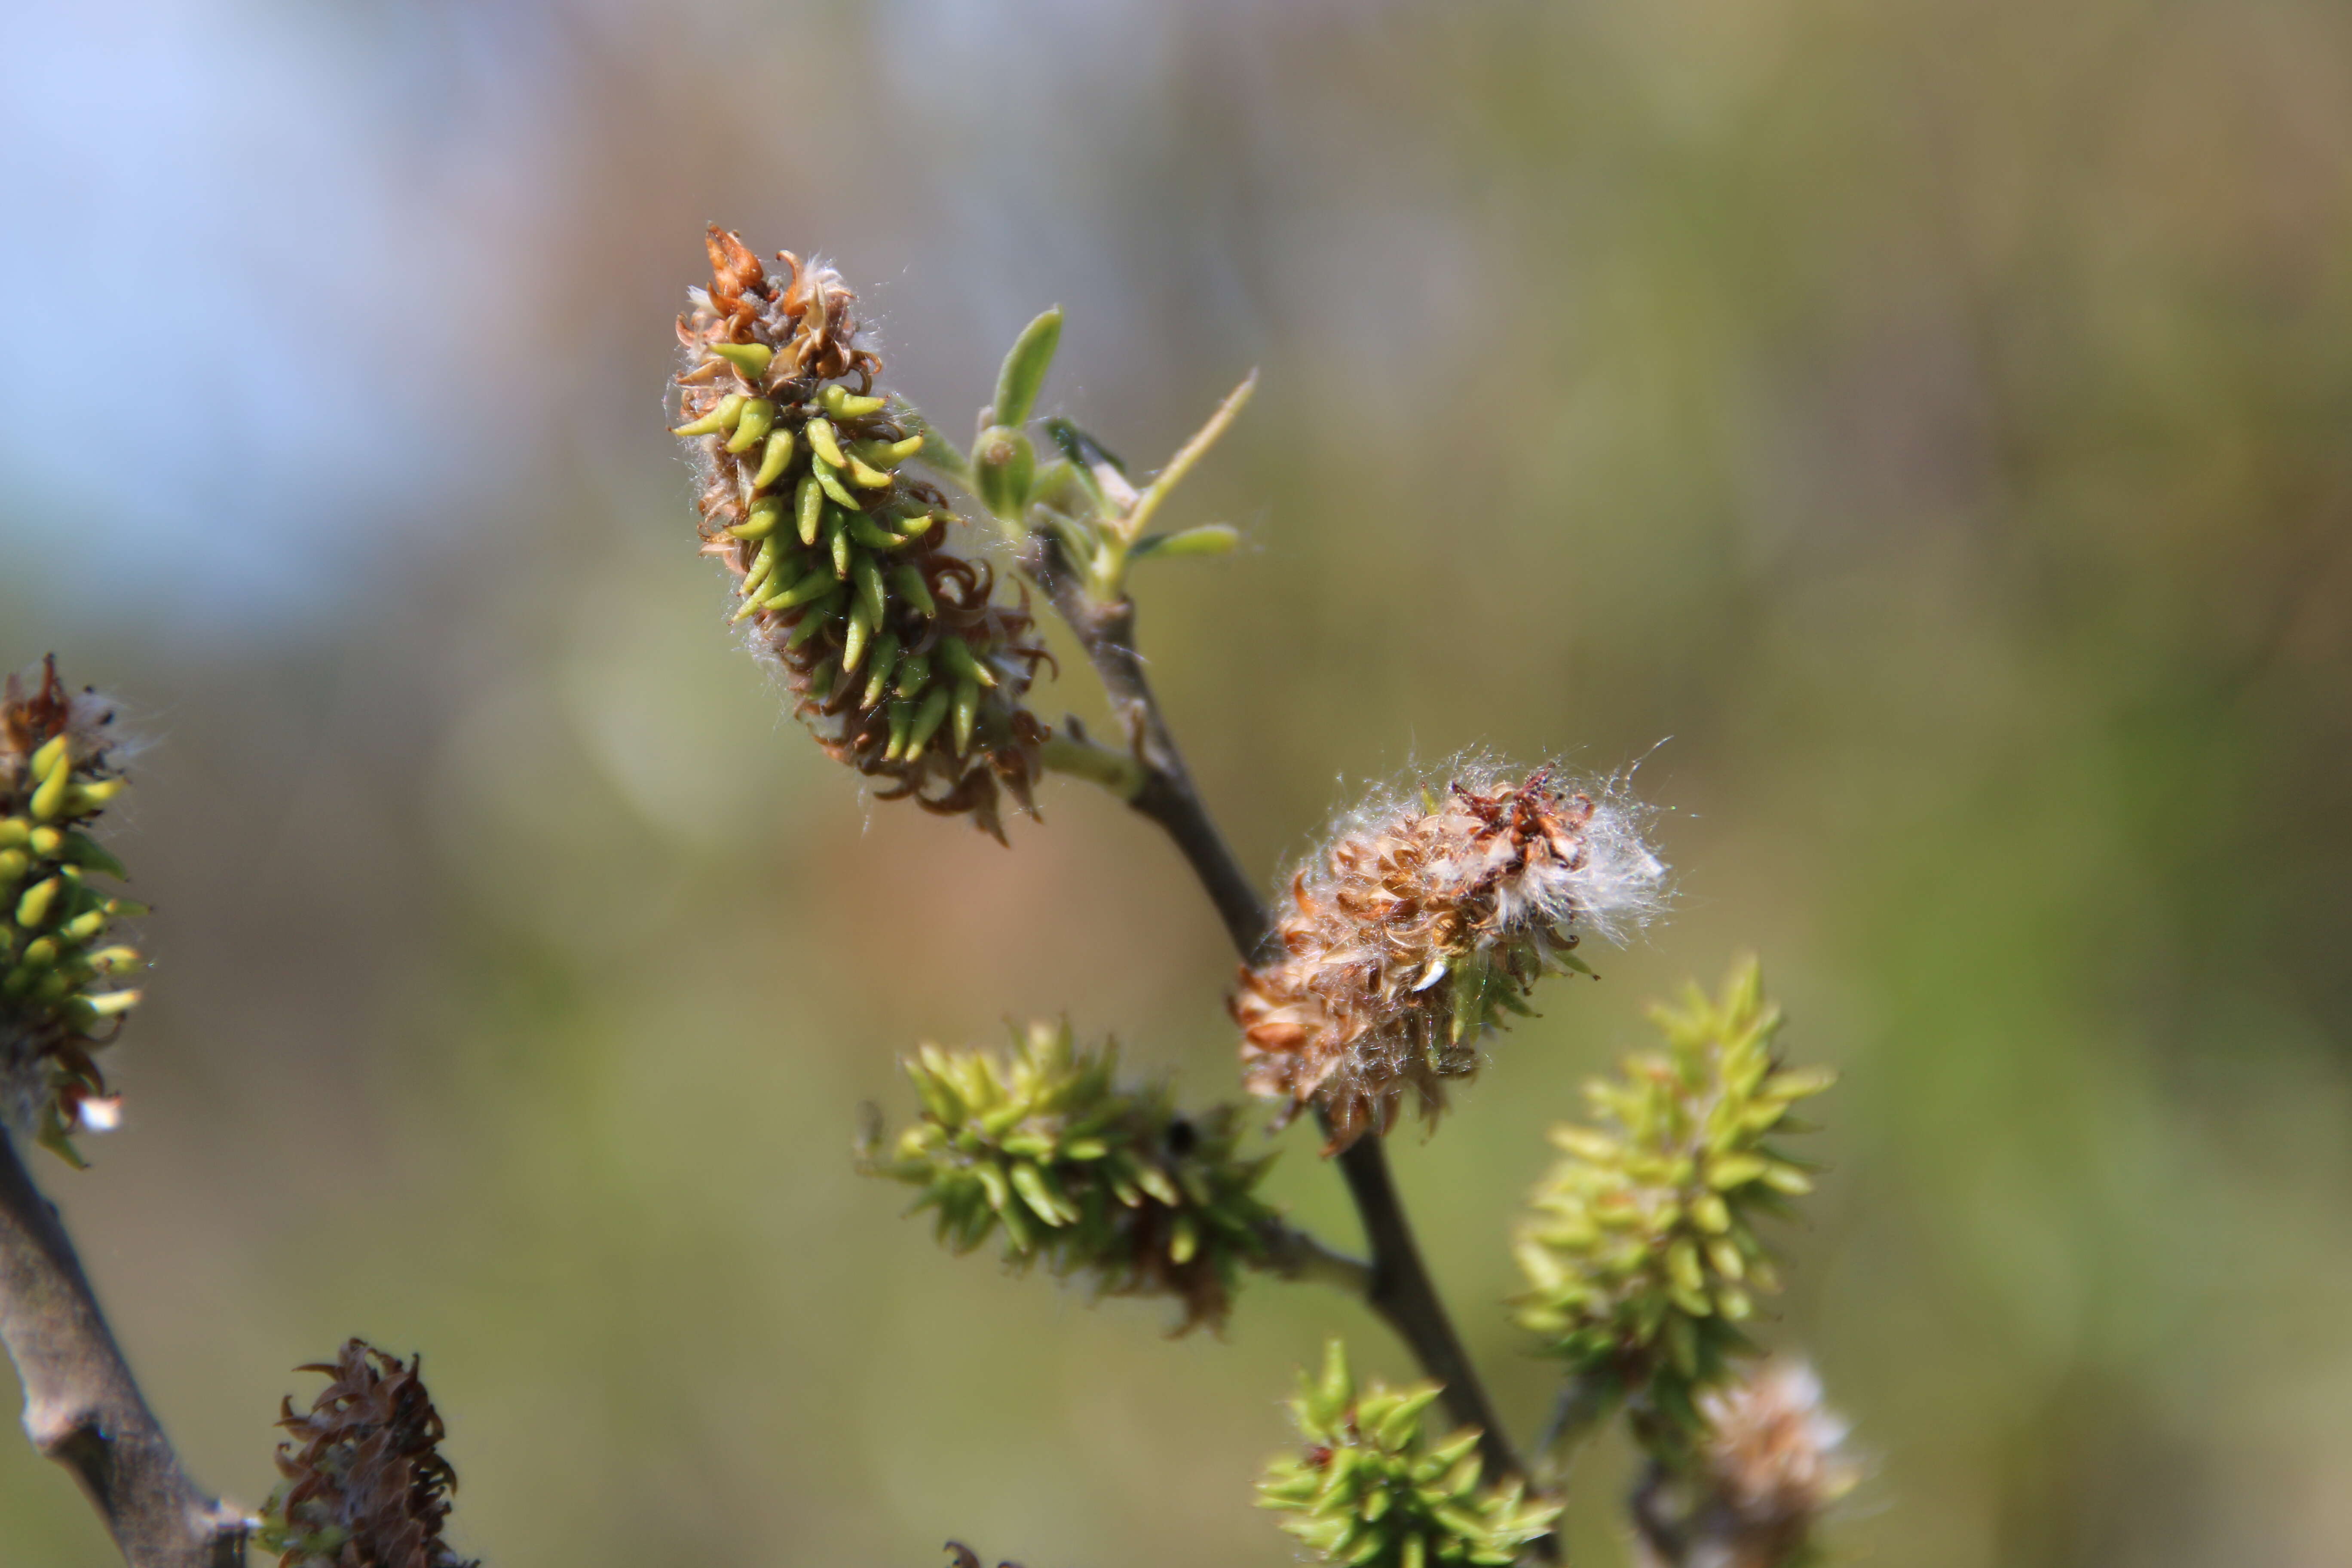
{"type": "Point", "coordinates": [82, 1407]}
{"type": "Point", "coordinates": [1667, 1542]}
{"type": "Point", "coordinates": [1106, 633]}
{"type": "Point", "coordinates": [1297, 1254]}
{"type": "Point", "coordinates": [1401, 1290]}
{"type": "Point", "coordinates": [1067, 751]}
{"type": "Point", "coordinates": [1581, 1403]}
{"type": "Point", "coordinates": [1405, 1296]}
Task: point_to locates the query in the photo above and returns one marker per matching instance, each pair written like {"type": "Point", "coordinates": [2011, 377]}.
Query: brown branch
{"type": "Point", "coordinates": [1582, 1400]}
{"type": "Point", "coordinates": [1406, 1297]}
{"type": "Point", "coordinates": [1401, 1290]}
{"type": "Point", "coordinates": [1297, 1254]}
{"type": "Point", "coordinates": [1166, 795]}
{"type": "Point", "coordinates": [82, 1407]}
{"type": "Point", "coordinates": [1667, 1542]}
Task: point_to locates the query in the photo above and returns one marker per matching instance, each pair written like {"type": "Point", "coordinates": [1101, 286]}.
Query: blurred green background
{"type": "Point", "coordinates": [1934, 416]}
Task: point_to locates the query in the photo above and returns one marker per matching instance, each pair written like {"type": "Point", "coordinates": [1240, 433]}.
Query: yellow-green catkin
{"type": "Point", "coordinates": [1373, 1490]}
{"type": "Point", "coordinates": [58, 959]}
{"type": "Point", "coordinates": [1641, 1253]}
{"type": "Point", "coordinates": [1045, 1147]}
{"type": "Point", "coordinates": [898, 657]}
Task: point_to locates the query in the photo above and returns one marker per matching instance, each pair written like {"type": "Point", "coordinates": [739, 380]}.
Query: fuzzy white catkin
{"type": "Point", "coordinates": [1417, 924]}
{"type": "Point", "coordinates": [1775, 1459]}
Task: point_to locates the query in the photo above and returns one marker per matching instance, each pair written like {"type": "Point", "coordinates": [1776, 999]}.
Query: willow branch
{"type": "Point", "coordinates": [1299, 1255]}
{"type": "Point", "coordinates": [1401, 1290]}
{"type": "Point", "coordinates": [1667, 1542]}
{"type": "Point", "coordinates": [82, 1407]}
{"type": "Point", "coordinates": [1068, 751]}
{"type": "Point", "coordinates": [1579, 1406]}
{"type": "Point", "coordinates": [1164, 792]}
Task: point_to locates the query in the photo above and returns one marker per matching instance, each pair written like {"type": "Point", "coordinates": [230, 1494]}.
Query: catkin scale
{"type": "Point", "coordinates": [838, 555]}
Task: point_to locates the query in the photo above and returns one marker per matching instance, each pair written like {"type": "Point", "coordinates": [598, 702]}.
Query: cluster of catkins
{"type": "Point", "coordinates": [365, 1484]}
{"type": "Point", "coordinates": [1081, 1172]}
{"type": "Point", "coordinates": [58, 1000]}
{"type": "Point", "coordinates": [1421, 929]}
{"type": "Point", "coordinates": [890, 642]}
{"type": "Point", "coordinates": [1403, 945]}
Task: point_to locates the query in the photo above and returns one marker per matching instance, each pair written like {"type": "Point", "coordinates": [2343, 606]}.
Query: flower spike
{"type": "Point", "coordinates": [58, 1003]}
{"type": "Point", "coordinates": [842, 568]}
{"type": "Point", "coordinates": [1419, 930]}
{"type": "Point", "coordinates": [367, 1487]}
{"type": "Point", "coordinates": [1765, 1467]}
{"type": "Point", "coordinates": [1373, 1490]}
{"type": "Point", "coordinates": [1044, 1145]}
{"type": "Point", "coordinates": [1641, 1255]}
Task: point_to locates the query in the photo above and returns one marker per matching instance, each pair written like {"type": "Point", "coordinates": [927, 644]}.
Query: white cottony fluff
{"type": "Point", "coordinates": [1611, 886]}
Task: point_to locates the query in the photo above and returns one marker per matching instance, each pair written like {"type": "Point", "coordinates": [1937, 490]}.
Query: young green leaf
{"type": "Point", "coordinates": [1024, 368]}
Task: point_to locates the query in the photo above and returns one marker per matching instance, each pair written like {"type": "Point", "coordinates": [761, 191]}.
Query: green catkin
{"type": "Point", "coordinates": [1373, 1490]}
{"type": "Point", "coordinates": [1076, 1170]}
{"type": "Point", "coordinates": [57, 1001]}
{"type": "Point", "coordinates": [1641, 1253]}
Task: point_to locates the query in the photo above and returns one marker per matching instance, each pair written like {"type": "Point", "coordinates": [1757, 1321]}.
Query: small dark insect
{"type": "Point", "coordinates": [1183, 1138]}
{"type": "Point", "coordinates": [965, 1557]}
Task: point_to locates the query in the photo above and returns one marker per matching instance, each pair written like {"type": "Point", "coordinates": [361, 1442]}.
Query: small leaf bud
{"type": "Point", "coordinates": [1210, 539]}
{"type": "Point", "coordinates": [1005, 464]}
